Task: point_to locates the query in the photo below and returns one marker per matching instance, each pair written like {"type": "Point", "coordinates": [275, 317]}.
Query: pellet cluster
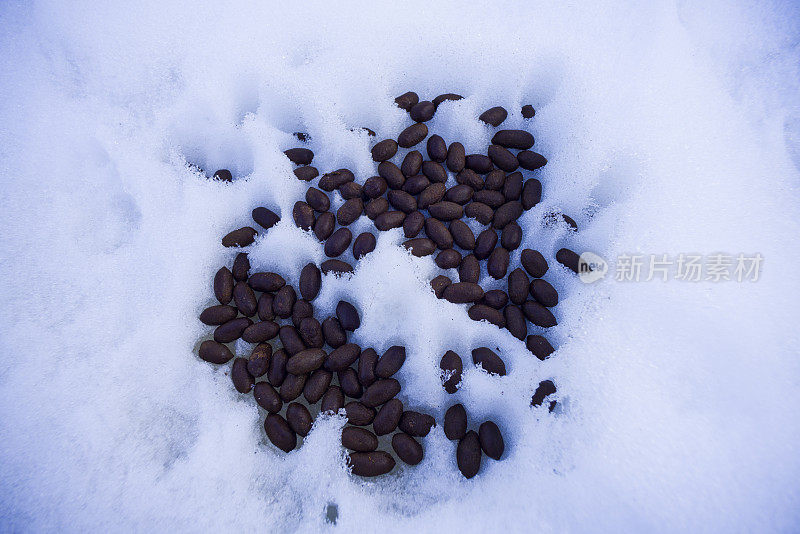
{"type": "Point", "coordinates": [296, 353]}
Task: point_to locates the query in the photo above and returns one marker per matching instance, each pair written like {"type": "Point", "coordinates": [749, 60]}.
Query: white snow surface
{"type": "Point", "coordinates": [669, 126]}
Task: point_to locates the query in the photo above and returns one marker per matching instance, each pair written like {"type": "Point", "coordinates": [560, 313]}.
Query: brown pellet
{"type": "Point", "coordinates": [258, 363]}
{"type": "Point", "coordinates": [438, 284]}
{"type": "Point", "coordinates": [342, 357]}
{"type": "Point", "coordinates": [279, 432]}
{"type": "Point", "coordinates": [374, 187]}
{"type": "Point", "coordinates": [402, 201]}
{"type": "Point", "coordinates": [245, 299]}
{"type": "Point", "coordinates": [388, 417]}
{"type": "Point", "coordinates": [338, 242]}
{"type": "Point", "coordinates": [539, 346]}
{"type": "Point", "coordinates": [223, 175]}
{"type": "Point", "coordinates": [267, 397]}
{"type": "Point", "coordinates": [482, 312]}
{"type": "Point", "coordinates": [460, 194]}
{"type": "Point", "coordinates": [437, 148]}
{"type": "Point", "coordinates": [455, 422]}
{"type": "Point", "coordinates": [545, 388]}
{"type": "Point", "coordinates": [350, 190]}
{"type": "Point", "coordinates": [336, 266]}
{"type": "Point", "coordinates": [412, 135]}
{"type": "Point", "coordinates": [240, 238]}
{"type": "Point", "coordinates": [431, 195]}
{"type": "Point", "coordinates": [528, 111]}
{"type": "Point", "coordinates": [333, 180]}
{"type": "Point", "coordinates": [390, 219]}
{"type": "Point", "coordinates": [538, 314]}
{"type": "Point", "coordinates": [446, 211]}
{"type": "Point", "coordinates": [512, 188]}
{"type": "Point", "coordinates": [533, 262]}
{"type": "Point", "coordinates": [348, 315]}
{"type": "Point", "coordinates": [392, 174]}
{"type": "Point", "coordinates": [306, 173]}
{"type": "Point", "coordinates": [375, 207]}
{"type": "Point", "coordinates": [366, 366]}
{"type": "Point", "coordinates": [468, 454]}
{"type": "Point", "coordinates": [316, 385]}
{"type": "Point", "coordinates": [494, 116]}
{"type": "Point", "coordinates": [232, 330]}
{"type": "Point", "coordinates": [305, 361]}
{"type": "Point", "coordinates": [407, 100]}
{"type": "Point", "coordinates": [510, 211]}
{"type": "Point", "coordinates": [434, 171]}
{"type": "Point", "coordinates": [493, 199]}
{"type": "Point", "coordinates": [223, 285]}
{"type": "Point", "coordinates": [438, 233]}
{"type": "Point", "coordinates": [391, 361]}
{"type": "Point", "coordinates": [503, 158]}
{"type": "Point", "coordinates": [422, 111]}
{"type": "Point", "coordinates": [478, 163]}
{"type": "Point", "coordinates": [445, 97]}
{"type": "Point", "coordinates": [299, 419]}
{"type": "Point", "coordinates": [469, 270]}
{"type": "Point", "coordinates": [407, 448]}
{"type": "Point", "coordinates": [491, 440]}
{"type": "Point", "coordinates": [241, 267]}
{"type": "Point", "coordinates": [370, 464]}
{"type": "Point", "coordinates": [363, 245]}
{"type": "Point", "coordinates": [284, 300]}
{"type": "Point", "coordinates": [496, 298]}
{"type": "Point", "coordinates": [519, 139]}
{"type": "Point", "coordinates": [489, 360]}
{"type": "Point", "coordinates": [334, 334]}
{"type": "Point", "coordinates": [413, 223]}
{"type": "Point", "coordinates": [531, 160]}
{"type": "Point", "coordinates": [495, 180]}
{"type": "Point", "coordinates": [455, 157]}
{"type": "Point", "coordinates": [515, 321]}
{"type": "Point", "coordinates": [470, 178]}
{"type": "Point", "coordinates": [462, 234]}
{"type": "Point", "coordinates": [310, 281]}
{"type": "Point", "coordinates": [292, 387]}
{"type": "Point", "coordinates": [511, 237]}
{"type": "Point", "coordinates": [349, 211]}
{"type": "Point", "coordinates": [485, 243]}
{"type": "Point", "coordinates": [217, 315]}
{"type": "Point", "coordinates": [380, 392]}
{"type": "Point", "coordinates": [518, 286]}
{"type": "Point", "coordinates": [568, 258]}
{"type": "Point", "coordinates": [323, 227]}
{"type": "Point", "coordinates": [302, 309]}
{"type": "Point", "coordinates": [480, 212]}
{"type": "Point", "coordinates": [420, 246]}
{"type": "Point", "coordinates": [299, 156]}
{"type": "Point", "coordinates": [333, 400]}
{"type": "Point", "coordinates": [265, 312]}
{"type": "Point", "coordinates": [416, 184]}
{"type": "Point", "coordinates": [416, 423]}
{"type": "Point", "coordinates": [348, 381]}
{"type": "Point", "coordinates": [318, 200]}
{"type": "Point", "coordinates": [412, 163]}
{"type": "Point", "coordinates": [303, 215]}
{"type": "Point", "coordinates": [384, 150]}
{"type": "Point", "coordinates": [291, 340]}
{"type": "Point", "coordinates": [359, 439]}
{"type": "Point", "coordinates": [214, 352]}
{"type": "Point", "coordinates": [448, 259]}
{"type": "Point", "coordinates": [544, 293]}
{"type": "Point", "coordinates": [451, 364]}
{"type": "Point", "coordinates": [277, 367]}
{"type": "Point", "coordinates": [358, 414]}
{"type": "Point", "coordinates": [260, 332]}
{"type": "Point", "coordinates": [531, 193]}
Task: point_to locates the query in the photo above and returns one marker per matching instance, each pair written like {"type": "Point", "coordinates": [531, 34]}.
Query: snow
{"type": "Point", "coordinates": [669, 128]}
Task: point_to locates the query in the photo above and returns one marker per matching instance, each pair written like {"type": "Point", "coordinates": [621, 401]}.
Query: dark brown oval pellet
{"type": "Point", "coordinates": [241, 267]}
{"type": "Point", "coordinates": [448, 259]}
{"type": "Point", "coordinates": [511, 237]}
{"type": "Point", "coordinates": [306, 173]}
{"type": "Point", "coordinates": [412, 135]}
{"type": "Point", "coordinates": [496, 298]}
{"type": "Point", "coordinates": [416, 423]}
{"type": "Point", "coordinates": [302, 309]}
{"type": "Point", "coordinates": [422, 111]}
{"type": "Point", "coordinates": [489, 360]}
{"type": "Point", "coordinates": [348, 381]}
{"type": "Point", "coordinates": [470, 178]}
{"type": "Point", "coordinates": [380, 392]}
{"type": "Point", "coordinates": [407, 448]}
{"type": "Point", "coordinates": [407, 100]}
{"type": "Point", "coordinates": [347, 315]}
{"type": "Point", "coordinates": [338, 242]}
{"type": "Point", "coordinates": [519, 139]}
{"type": "Point", "coordinates": [305, 361]}
{"type": "Point", "coordinates": [277, 367]}
{"type": "Point", "coordinates": [384, 150]}
{"type": "Point", "coordinates": [267, 397]}
{"type": "Point", "coordinates": [412, 163]}
{"type": "Point", "coordinates": [299, 156]}
{"type": "Point", "coordinates": [482, 312]}
{"type": "Point", "coordinates": [515, 321]}
{"type": "Point", "coordinates": [303, 215]}
{"type": "Point", "coordinates": [413, 223]}
{"type": "Point", "coordinates": [416, 184]}
{"type": "Point", "coordinates": [342, 357]}
{"type": "Point", "coordinates": [332, 331]}
{"type": "Point", "coordinates": [539, 346]}
{"type": "Point", "coordinates": [544, 293]}
{"type": "Point", "coordinates": [390, 219]}
{"type": "Point", "coordinates": [494, 116]}
{"type": "Point", "coordinates": [455, 157]}
{"type": "Point", "coordinates": [480, 212]}
{"type": "Point", "coordinates": [258, 363]}
{"type": "Point", "coordinates": [431, 195]}
{"type": "Point", "coordinates": [545, 388]}
{"type": "Point", "coordinates": [316, 385]}
{"type": "Point", "coordinates": [333, 400]}
{"type": "Point", "coordinates": [299, 419]}
{"type": "Point", "coordinates": [363, 245]}
{"type": "Point", "coordinates": [460, 194]}
{"type": "Point", "coordinates": [349, 211]}
{"type": "Point", "coordinates": [392, 174]}
{"type": "Point", "coordinates": [485, 243]}
{"type": "Point", "coordinates": [279, 432]}
{"type": "Point", "coordinates": [469, 270]}
{"type": "Point", "coordinates": [493, 199]}
{"type": "Point", "coordinates": [223, 175]}
{"type": "Point", "coordinates": [391, 361]}
{"type": "Point", "coordinates": [232, 330]}
{"type": "Point", "coordinates": [265, 312]}
{"type": "Point", "coordinates": [375, 207]}
{"type": "Point", "coordinates": [462, 234]}
{"type": "Point", "coordinates": [374, 186]}
{"type": "Point", "coordinates": [240, 238]}
{"type": "Point", "coordinates": [503, 158]}
{"type": "Point", "coordinates": [334, 180]}
{"type": "Point", "coordinates": [437, 148]}
{"type": "Point", "coordinates": [568, 258]}
{"type": "Point", "coordinates": [570, 221]}
{"type": "Point", "coordinates": [538, 314]}
{"type": "Point", "coordinates": [245, 299]}
{"type": "Point", "coordinates": [512, 188]}
{"type": "Point", "coordinates": [358, 414]}
{"type": "Point", "coordinates": [318, 200]}
{"type": "Point", "coordinates": [518, 286]}
{"type": "Point", "coordinates": [468, 454]}
{"type": "Point", "coordinates": [217, 315]}
{"type": "Point", "coordinates": [388, 417]}
{"type": "Point", "coordinates": [284, 300]}
{"type": "Point", "coordinates": [214, 352]}
{"type": "Point", "coordinates": [455, 422]}
{"type": "Point", "coordinates": [324, 225]}
{"type": "Point", "coordinates": [370, 464]}
{"type": "Point", "coordinates": [451, 363]}
{"type": "Point", "coordinates": [438, 233]}
{"type": "Point", "coordinates": [366, 366]}
{"type": "Point", "coordinates": [491, 440]}
{"type": "Point", "coordinates": [438, 284]}
{"type": "Point", "coordinates": [531, 193]}
{"type": "Point", "coordinates": [495, 180]}
{"type": "Point", "coordinates": [478, 163]}
{"type": "Point", "coordinates": [528, 111]}
{"type": "Point", "coordinates": [445, 97]}
{"type": "Point", "coordinates": [510, 211]}
{"type": "Point", "coordinates": [446, 211]}
{"type": "Point", "coordinates": [260, 332]}
{"type": "Point", "coordinates": [310, 281]}
{"type": "Point", "coordinates": [223, 285]}
{"type": "Point", "coordinates": [434, 171]}
{"type": "Point", "coordinates": [292, 387]}
{"type": "Point", "coordinates": [402, 201]}
{"type": "Point", "coordinates": [531, 160]}
{"type": "Point", "coordinates": [420, 246]}
{"type": "Point", "coordinates": [359, 439]}
{"type": "Point", "coordinates": [291, 340]}
{"type": "Point", "coordinates": [350, 190]}
{"type": "Point", "coordinates": [336, 266]}
{"type": "Point", "coordinates": [533, 262]}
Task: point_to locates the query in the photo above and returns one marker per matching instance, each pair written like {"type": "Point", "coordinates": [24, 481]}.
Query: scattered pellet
{"type": "Point", "coordinates": [446, 211]}
{"type": "Point", "coordinates": [437, 148]}
{"type": "Point", "coordinates": [380, 392]}
{"type": "Point", "coordinates": [468, 454]}
{"type": "Point", "coordinates": [407, 100]}
{"type": "Point", "coordinates": [478, 163]}
{"type": "Point", "coordinates": [494, 116]}
{"type": "Point", "coordinates": [544, 293]}
{"type": "Point", "coordinates": [245, 299]}
{"type": "Point", "coordinates": [407, 448]}
{"type": "Point", "coordinates": [480, 212]}
{"type": "Point", "coordinates": [299, 418]}
{"type": "Point", "coordinates": [496, 298]}
{"type": "Point", "coordinates": [510, 211]}
{"type": "Point", "coordinates": [469, 270]}
{"type": "Point", "coordinates": [528, 111]}
{"type": "Point", "coordinates": [503, 158]}
{"type": "Point", "coordinates": [299, 156]}
{"type": "Point", "coordinates": [438, 233]}
{"type": "Point", "coordinates": [416, 184]}
{"type": "Point", "coordinates": [434, 171]}
{"type": "Point", "coordinates": [366, 366]}
{"type": "Point", "coordinates": [489, 360]}
{"type": "Point", "coordinates": [240, 238]}
{"type": "Point", "coordinates": [420, 246]}
{"type": "Point", "coordinates": [482, 312]}
{"type": "Point", "coordinates": [391, 361]}
{"type": "Point", "coordinates": [455, 157]}
{"type": "Point", "coordinates": [279, 432]}
{"type": "Point", "coordinates": [538, 314]}
{"type": "Point", "coordinates": [413, 223]}
{"type": "Point", "coordinates": [223, 175]}
{"type": "Point", "coordinates": [568, 258]}
{"type": "Point", "coordinates": [533, 262]}
{"type": "Point", "coordinates": [448, 259]}
{"type": "Point", "coordinates": [347, 315]}
{"type": "Point", "coordinates": [455, 422]}
{"type": "Point", "coordinates": [358, 414]}
{"type": "Point", "coordinates": [267, 397]}
{"type": "Point", "coordinates": [491, 440]}
{"type": "Point", "coordinates": [370, 464]}
{"type": "Point", "coordinates": [305, 361]}
{"type": "Point", "coordinates": [334, 334]}
{"type": "Point", "coordinates": [260, 332]}
{"type": "Point", "coordinates": [388, 417]}
{"type": "Point", "coordinates": [318, 200]}
{"type": "Point", "coordinates": [512, 188]}
{"type": "Point", "coordinates": [265, 218]}
{"type": "Point", "coordinates": [283, 303]}
{"type": "Point", "coordinates": [422, 111]}
{"type": "Point", "coordinates": [350, 190]}
{"type": "Point", "coordinates": [463, 292]}
{"type": "Point", "coordinates": [374, 186]}
{"type": "Point", "coordinates": [438, 284]}
{"type": "Point", "coordinates": [265, 312]}
{"type": "Point", "coordinates": [412, 163]}
{"type": "Point", "coordinates": [359, 439]}
{"type": "Point", "coordinates": [531, 193]}
{"type": "Point", "coordinates": [390, 219]}
{"type": "Point", "coordinates": [363, 245]}
{"type": "Point", "coordinates": [241, 267]}
{"type": "Point", "coordinates": [412, 135]}
{"type": "Point", "coordinates": [214, 352]}
{"type": "Point", "coordinates": [258, 363]}
{"type": "Point", "coordinates": [384, 150]}
{"type": "Point", "coordinates": [495, 180]}
{"type": "Point", "coordinates": [323, 227]}
{"type": "Point", "coordinates": [497, 265]}
{"type": "Point", "coordinates": [515, 321]}
{"type": "Point", "coordinates": [348, 381]}
{"type": "Point", "coordinates": [493, 199]}
{"type": "Point", "coordinates": [402, 201]}
{"type": "Point", "coordinates": [545, 388]}
{"type": "Point", "coordinates": [511, 236]}
{"type": "Point", "coordinates": [445, 97]}
{"type": "Point", "coordinates": [334, 180]}
{"type": "Point", "coordinates": [232, 330]}
{"type": "Point", "coordinates": [375, 207]}
{"type": "Point", "coordinates": [217, 315]}
{"type": "Point", "coordinates": [223, 285]}
{"type": "Point", "coordinates": [338, 242]}
{"type": "Point", "coordinates": [306, 173]}
{"type": "Point", "coordinates": [333, 400]}
{"type": "Point", "coordinates": [291, 340]}
{"type": "Point", "coordinates": [539, 346]}
{"type": "Point", "coordinates": [342, 357]}
{"type": "Point", "coordinates": [462, 234]}
{"type": "Point", "coordinates": [451, 363]}
{"type": "Point", "coordinates": [519, 139]}
{"type": "Point", "coordinates": [392, 174]}
{"type": "Point", "coordinates": [518, 286]}
{"type": "Point", "coordinates": [310, 281]}
{"type": "Point", "coordinates": [302, 309]}
{"type": "Point", "coordinates": [336, 266]}
{"type": "Point", "coordinates": [531, 160]}
{"type": "Point", "coordinates": [303, 215]}
{"type": "Point", "coordinates": [349, 211]}
{"type": "Point", "coordinates": [277, 367]}
{"type": "Point", "coordinates": [316, 385]}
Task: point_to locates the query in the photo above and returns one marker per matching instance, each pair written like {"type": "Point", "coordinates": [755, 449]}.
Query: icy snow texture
{"type": "Point", "coordinates": [670, 127]}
